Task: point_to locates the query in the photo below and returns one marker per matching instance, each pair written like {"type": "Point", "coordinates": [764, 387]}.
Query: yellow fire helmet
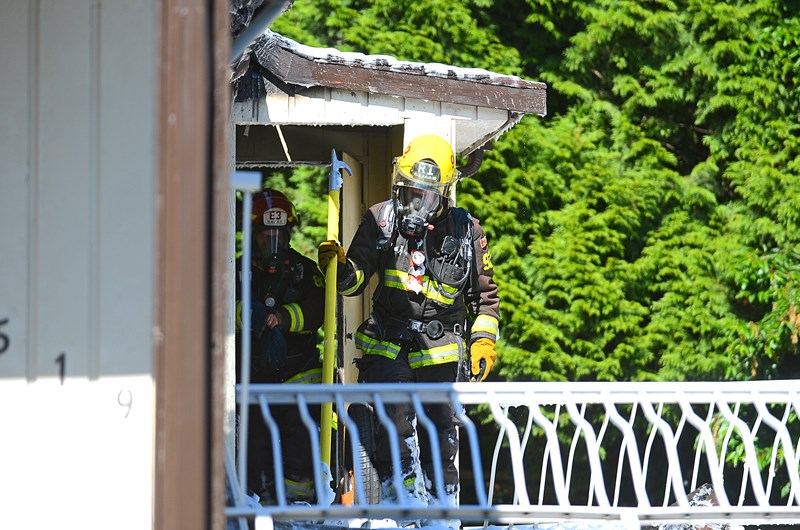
{"type": "Point", "coordinates": [428, 163]}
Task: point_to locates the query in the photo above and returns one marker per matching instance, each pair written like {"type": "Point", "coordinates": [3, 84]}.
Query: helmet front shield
{"type": "Point", "coordinates": [428, 163]}
{"type": "Point", "coordinates": [424, 175]}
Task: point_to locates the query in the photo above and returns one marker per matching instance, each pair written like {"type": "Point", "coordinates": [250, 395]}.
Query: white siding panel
{"type": "Point", "coordinates": [64, 250]}
{"type": "Point", "coordinates": [468, 112]}
{"type": "Point", "coordinates": [302, 109]}
{"type": "Point", "coordinates": [15, 175]}
{"type": "Point", "coordinates": [77, 259]}
{"type": "Point", "coordinates": [353, 204]}
{"type": "Point", "coordinates": [416, 125]}
{"type": "Point", "coordinates": [125, 204]}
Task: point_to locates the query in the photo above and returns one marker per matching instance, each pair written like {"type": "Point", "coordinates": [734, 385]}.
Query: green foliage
{"type": "Point", "coordinates": [602, 269]}
{"type": "Point", "coordinates": [770, 285]}
{"type": "Point", "coordinates": [307, 188]}
{"type": "Point", "coordinates": [651, 289]}
{"type": "Point", "coordinates": [438, 31]}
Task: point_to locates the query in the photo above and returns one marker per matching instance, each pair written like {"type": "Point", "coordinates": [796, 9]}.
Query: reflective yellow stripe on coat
{"type": "Point", "coordinates": [359, 281]}
{"type": "Point", "coordinates": [372, 346]}
{"type": "Point", "coordinates": [486, 325]}
{"type": "Point", "coordinates": [432, 289]}
{"type": "Point", "coordinates": [296, 319]}
{"type": "Point", "coordinates": [310, 377]}
{"type": "Point", "coordinates": [447, 353]}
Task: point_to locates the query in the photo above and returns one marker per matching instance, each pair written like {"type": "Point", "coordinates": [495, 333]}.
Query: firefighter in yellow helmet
{"type": "Point", "coordinates": [435, 313]}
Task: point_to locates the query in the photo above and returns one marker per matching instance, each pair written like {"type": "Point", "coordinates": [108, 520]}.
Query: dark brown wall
{"type": "Point", "coordinates": [192, 182]}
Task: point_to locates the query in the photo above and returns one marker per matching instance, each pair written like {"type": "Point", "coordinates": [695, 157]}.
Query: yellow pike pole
{"type": "Point", "coordinates": [329, 354]}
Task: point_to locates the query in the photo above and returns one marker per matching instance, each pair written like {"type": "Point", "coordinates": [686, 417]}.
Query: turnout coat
{"type": "Point", "coordinates": [436, 293]}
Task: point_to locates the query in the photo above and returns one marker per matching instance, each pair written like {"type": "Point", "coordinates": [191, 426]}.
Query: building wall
{"type": "Point", "coordinates": [77, 254]}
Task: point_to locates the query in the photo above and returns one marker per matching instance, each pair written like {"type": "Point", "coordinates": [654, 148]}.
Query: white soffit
{"type": "Point", "coordinates": [321, 106]}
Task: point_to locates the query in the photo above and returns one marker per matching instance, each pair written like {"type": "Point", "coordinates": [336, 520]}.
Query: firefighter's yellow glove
{"type": "Point", "coordinates": [483, 357]}
{"type": "Point", "coordinates": [327, 251]}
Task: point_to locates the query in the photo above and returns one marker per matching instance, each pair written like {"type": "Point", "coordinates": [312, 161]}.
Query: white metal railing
{"type": "Point", "coordinates": [615, 452]}
{"type": "Point", "coordinates": [619, 452]}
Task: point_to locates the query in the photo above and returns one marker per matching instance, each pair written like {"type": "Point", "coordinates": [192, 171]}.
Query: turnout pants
{"type": "Point", "coordinates": [296, 450]}
{"type": "Point", "coordinates": [378, 369]}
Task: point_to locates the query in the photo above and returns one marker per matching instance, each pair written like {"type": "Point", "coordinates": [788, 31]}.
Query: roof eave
{"type": "Point", "coordinates": [281, 59]}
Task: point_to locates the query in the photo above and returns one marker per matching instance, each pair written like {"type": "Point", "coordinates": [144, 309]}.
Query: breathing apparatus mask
{"type": "Point", "coordinates": [422, 180]}
{"type": "Point", "coordinates": [271, 245]}
{"type": "Point", "coordinates": [416, 208]}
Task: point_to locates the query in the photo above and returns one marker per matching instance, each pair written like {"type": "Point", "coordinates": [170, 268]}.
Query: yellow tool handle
{"type": "Point", "coordinates": [329, 344]}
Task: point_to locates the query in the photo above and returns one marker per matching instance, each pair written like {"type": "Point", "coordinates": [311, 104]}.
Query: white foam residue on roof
{"type": "Point", "coordinates": [332, 55]}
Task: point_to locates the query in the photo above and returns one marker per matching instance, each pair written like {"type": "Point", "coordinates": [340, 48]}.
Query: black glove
{"type": "Point", "coordinates": [258, 317]}
{"type": "Point", "coordinates": [272, 345]}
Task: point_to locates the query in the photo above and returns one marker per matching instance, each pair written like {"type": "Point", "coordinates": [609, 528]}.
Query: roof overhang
{"type": "Point", "coordinates": [281, 82]}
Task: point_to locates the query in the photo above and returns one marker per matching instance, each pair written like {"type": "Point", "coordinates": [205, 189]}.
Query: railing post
{"type": "Point", "coordinates": [247, 182]}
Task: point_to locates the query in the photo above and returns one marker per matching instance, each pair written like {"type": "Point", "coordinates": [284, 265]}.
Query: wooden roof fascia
{"type": "Point", "coordinates": [499, 92]}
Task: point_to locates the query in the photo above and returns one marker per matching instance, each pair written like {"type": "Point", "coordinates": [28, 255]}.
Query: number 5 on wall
{"type": "Point", "coordinates": [5, 342]}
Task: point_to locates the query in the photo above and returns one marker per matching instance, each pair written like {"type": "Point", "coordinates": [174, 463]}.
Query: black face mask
{"type": "Point", "coordinates": [270, 247]}
{"type": "Point", "coordinates": [415, 209]}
